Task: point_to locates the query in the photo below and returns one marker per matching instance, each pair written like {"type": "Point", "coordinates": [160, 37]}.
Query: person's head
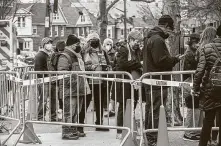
{"type": "Point", "coordinates": [134, 39]}
{"type": "Point", "coordinates": [60, 46]}
{"type": "Point", "coordinates": [208, 35]}
{"type": "Point", "coordinates": [194, 41]}
{"type": "Point", "coordinates": [166, 22]}
{"type": "Point", "coordinates": [108, 44]}
{"type": "Point", "coordinates": [46, 44]}
{"type": "Point", "coordinates": [94, 40]}
{"type": "Point", "coordinates": [218, 31]}
{"type": "Point", "coordinates": [73, 42]}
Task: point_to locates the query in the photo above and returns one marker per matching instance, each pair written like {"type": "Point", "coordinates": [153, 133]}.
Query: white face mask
{"type": "Point", "coordinates": [48, 47]}
{"type": "Point", "coordinates": [108, 47]}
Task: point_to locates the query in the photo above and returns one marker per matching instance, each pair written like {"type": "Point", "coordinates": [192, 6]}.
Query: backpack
{"type": "Point", "coordinates": [215, 73]}
{"type": "Point", "coordinates": [55, 57]}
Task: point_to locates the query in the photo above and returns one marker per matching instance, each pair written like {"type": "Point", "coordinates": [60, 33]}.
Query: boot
{"type": "Point", "coordinates": [69, 133]}
{"type": "Point", "coordinates": [101, 129]}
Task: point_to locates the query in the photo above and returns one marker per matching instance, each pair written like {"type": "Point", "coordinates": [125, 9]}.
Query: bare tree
{"type": "Point", "coordinates": [147, 14]}
{"type": "Point", "coordinates": [203, 9]}
{"type": "Point", "coordinates": [7, 8]}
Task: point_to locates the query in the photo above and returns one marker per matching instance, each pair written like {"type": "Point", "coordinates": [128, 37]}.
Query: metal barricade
{"type": "Point", "coordinates": [78, 92]}
{"type": "Point", "coordinates": [167, 88]}
{"type": "Point", "coordinates": [23, 69]}
{"type": "Point", "coordinates": [10, 103]}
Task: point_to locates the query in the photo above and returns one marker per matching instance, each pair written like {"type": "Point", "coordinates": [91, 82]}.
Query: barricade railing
{"type": "Point", "coordinates": [10, 103]}
{"type": "Point", "coordinates": [170, 89]}
{"type": "Point", "coordinates": [23, 69]}
{"type": "Point", "coordinates": [76, 90]}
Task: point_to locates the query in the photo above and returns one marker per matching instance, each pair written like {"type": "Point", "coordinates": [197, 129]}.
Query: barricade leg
{"type": "Point", "coordinates": [29, 135]}
{"type": "Point", "coordinates": [132, 140]}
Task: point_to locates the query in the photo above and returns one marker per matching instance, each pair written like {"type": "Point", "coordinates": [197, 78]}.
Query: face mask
{"type": "Point", "coordinates": [48, 47]}
{"type": "Point", "coordinates": [78, 49]}
{"type": "Point", "coordinates": [108, 47]}
{"type": "Point", "coordinates": [95, 43]}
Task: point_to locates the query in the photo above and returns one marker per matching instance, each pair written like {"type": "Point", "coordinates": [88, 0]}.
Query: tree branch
{"type": "Point", "coordinates": [111, 5]}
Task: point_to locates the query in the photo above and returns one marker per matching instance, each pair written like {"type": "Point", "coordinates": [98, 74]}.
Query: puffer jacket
{"type": "Point", "coordinates": [201, 82]}
{"type": "Point", "coordinates": [64, 64]}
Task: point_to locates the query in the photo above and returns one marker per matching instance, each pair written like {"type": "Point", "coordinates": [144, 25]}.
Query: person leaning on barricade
{"type": "Point", "coordinates": [156, 58]}
{"type": "Point", "coordinates": [128, 59]}
{"type": "Point", "coordinates": [95, 59]}
{"type": "Point", "coordinates": [190, 63]}
{"type": "Point", "coordinates": [42, 64]}
{"type": "Point", "coordinates": [71, 60]}
{"type": "Point", "coordinates": [206, 87]}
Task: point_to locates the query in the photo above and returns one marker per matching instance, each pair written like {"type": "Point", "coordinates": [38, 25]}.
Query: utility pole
{"type": "Point", "coordinates": [125, 20]}
{"type": "Point", "coordinates": [47, 19]}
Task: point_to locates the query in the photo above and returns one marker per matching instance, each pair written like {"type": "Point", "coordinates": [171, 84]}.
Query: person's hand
{"type": "Point", "coordinates": [180, 57]}
{"type": "Point", "coordinates": [94, 66]}
{"type": "Point", "coordinates": [195, 94]}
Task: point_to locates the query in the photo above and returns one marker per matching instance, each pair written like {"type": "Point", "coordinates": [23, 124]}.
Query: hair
{"type": "Point", "coordinates": [208, 35]}
{"type": "Point", "coordinates": [218, 31]}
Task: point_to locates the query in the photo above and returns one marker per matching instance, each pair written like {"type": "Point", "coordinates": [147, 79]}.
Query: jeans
{"type": "Point", "coordinates": [44, 95]}
{"type": "Point", "coordinates": [156, 100]}
{"type": "Point", "coordinates": [189, 122]}
{"type": "Point", "coordinates": [72, 109]}
{"type": "Point", "coordinates": [208, 123]}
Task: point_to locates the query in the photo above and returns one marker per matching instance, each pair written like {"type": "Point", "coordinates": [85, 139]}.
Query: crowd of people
{"type": "Point", "coordinates": [88, 54]}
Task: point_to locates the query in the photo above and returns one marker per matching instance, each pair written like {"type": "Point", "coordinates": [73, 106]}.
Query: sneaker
{"type": "Point", "coordinates": [110, 114]}
{"type": "Point", "coordinates": [81, 132]}
{"type": "Point", "coordinates": [119, 136]}
{"type": "Point", "coordinates": [102, 129]}
{"type": "Point", "coordinates": [192, 138]}
{"type": "Point", "coordinates": [70, 136]}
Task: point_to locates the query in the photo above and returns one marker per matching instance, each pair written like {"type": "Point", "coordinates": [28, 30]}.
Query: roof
{"type": "Point", "coordinates": [38, 10]}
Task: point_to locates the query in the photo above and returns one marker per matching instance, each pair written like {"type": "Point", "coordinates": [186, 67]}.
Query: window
{"type": "Point", "coordinates": [34, 30]}
{"type": "Point", "coordinates": [56, 30]}
{"type": "Point", "coordinates": [62, 30]}
{"type": "Point", "coordinates": [55, 16]}
{"type": "Point", "coordinates": [109, 33]}
{"type": "Point", "coordinates": [27, 45]}
{"type": "Point", "coordinates": [82, 18]}
{"type": "Point", "coordinates": [21, 22]}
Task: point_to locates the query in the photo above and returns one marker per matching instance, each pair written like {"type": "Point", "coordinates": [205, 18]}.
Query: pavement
{"type": "Point", "coordinates": [50, 135]}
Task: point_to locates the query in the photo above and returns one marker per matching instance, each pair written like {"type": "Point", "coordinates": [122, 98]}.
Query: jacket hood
{"type": "Point", "coordinates": [217, 40]}
{"type": "Point", "coordinates": [157, 31]}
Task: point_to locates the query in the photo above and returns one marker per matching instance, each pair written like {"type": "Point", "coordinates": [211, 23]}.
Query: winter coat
{"type": "Point", "coordinates": [41, 63]}
{"type": "Point", "coordinates": [123, 63]}
{"type": "Point", "coordinates": [75, 83]}
{"type": "Point", "coordinates": [201, 82]}
{"type": "Point", "coordinates": [156, 57]}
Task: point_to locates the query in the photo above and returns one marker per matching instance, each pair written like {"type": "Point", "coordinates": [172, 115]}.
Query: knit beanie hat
{"type": "Point", "coordinates": [166, 19]}
{"type": "Point", "coordinates": [45, 41]}
{"type": "Point", "coordinates": [108, 41]}
{"type": "Point", "coordinates": [135, 34]}
{"type": "Point", "coordinates": [72, 39]}
{"type": "Point", "coordinates": [218, 31]}
{"type": "Point", "coordinates": [93, 35]}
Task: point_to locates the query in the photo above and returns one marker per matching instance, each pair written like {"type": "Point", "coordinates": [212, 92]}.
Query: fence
{"type": "Point", "coordinates": [10, 102]}
{"type": "Point", "coordinates": [40, 89]}
{"type": "Point", "coordinates": [170, 89]}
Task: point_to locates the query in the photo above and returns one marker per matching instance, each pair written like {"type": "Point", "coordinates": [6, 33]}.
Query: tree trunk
{"type": "Point", "coordinates": [172, 8]}
{"type": "Point", "coordinates": [103, 20]}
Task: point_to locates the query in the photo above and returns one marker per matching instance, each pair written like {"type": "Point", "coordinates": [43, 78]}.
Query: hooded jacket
{"type": "Point", "coordinates": [201, 81]}
{"type": "Point", "coordinates": [156, 57]}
